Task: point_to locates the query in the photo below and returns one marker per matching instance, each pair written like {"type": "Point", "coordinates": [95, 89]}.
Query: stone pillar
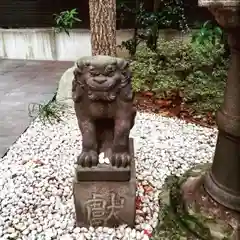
{"type": "Point", "coordinates": [204, 203]}
{"type": "Point", "coordinates": [223, 181]}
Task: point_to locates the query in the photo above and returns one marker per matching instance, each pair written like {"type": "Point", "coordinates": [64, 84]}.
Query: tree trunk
{"type": "Point", "coordinates": [103, 26]}
{"type": "Point", "coordinates": [156, 4]}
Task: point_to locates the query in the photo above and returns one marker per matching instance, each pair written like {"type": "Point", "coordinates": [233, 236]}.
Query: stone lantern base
{"type": "Point", "coordinates": [188, 213]}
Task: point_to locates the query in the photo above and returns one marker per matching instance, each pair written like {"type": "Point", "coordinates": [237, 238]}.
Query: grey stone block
{"type": "Point", "coordinates": [64, 92]}
{"type": "Point", "coordinates": [107, 203]}
{"type": "Point", "coordinates": [103, 172]}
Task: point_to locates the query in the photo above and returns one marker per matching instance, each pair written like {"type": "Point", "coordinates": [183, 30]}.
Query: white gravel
{"type": "Point", "coordinates": [36, 176]}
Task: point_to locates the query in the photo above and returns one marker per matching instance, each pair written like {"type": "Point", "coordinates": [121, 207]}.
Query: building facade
{"type": "Point", "coordinates": [39, 13]}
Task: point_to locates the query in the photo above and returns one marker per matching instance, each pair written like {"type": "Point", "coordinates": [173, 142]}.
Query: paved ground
{"type": "Point", "coordinates": [21, 83]}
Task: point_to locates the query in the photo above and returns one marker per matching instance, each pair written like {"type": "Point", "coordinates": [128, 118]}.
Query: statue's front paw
{"type": "Point", "coordinates": [122, 159]}
{"type": "Point", "coordinates": [88, 158]}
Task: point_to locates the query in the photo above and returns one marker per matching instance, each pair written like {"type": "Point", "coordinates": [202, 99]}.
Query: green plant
{"type": "Point", "coordinates": [65, 20]}
{"type": "Point", "coordinates": [131, 44]}
{"type": "Point", "coordinates": [152, 22]}
{"type": "Point", "coordinates": [197, 71]}
{"type": "Point", "coordinates": [211, 33]}
{"type": "Point", "coordinates": [47, 113]}
{"type": "Point", "coordinates": [208, 33]}
{"type": "Point", "coordinates": [168, 14]}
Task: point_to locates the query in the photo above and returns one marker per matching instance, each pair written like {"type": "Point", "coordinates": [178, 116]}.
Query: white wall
{"type": "Point", "coordinates": [45, 44]}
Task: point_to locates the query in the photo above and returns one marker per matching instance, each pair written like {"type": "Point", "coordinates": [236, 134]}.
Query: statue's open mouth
{"type": "Point", "coordinates": [100, 80]}
{"type": "Point", "coordinates": [102, 84]}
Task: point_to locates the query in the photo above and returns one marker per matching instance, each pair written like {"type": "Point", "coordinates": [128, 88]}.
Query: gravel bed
{"type": "Point", "coordinates": [36, 176]}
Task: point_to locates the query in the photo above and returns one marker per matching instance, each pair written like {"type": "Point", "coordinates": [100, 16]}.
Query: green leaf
{"type": "Point", "coordinates": [65, 20]}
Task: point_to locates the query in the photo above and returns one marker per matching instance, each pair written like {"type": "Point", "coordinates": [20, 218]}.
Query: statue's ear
{"type": "Point", "coordinates": [77, 85]}
{"type": "Point", "coordinates": [123, 64]}
{"type": "Point", "coordinates": [77, 72]}
{"type": "Point", "coordinates": [126, 72]}
{"type": "Point", "coordinates": [87, 63]}
{"type": "Point", "coordinates": [126, 64]}
{"type": "Point", "coordinates": [126, 93]}
{"type": "Point", "coordinates": [80, 64]}
{"type": "Point", "coordinates": [77, 92]}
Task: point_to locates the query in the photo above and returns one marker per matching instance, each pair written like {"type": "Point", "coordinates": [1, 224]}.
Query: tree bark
{"type": "Point", "coordinates": [103, 26]}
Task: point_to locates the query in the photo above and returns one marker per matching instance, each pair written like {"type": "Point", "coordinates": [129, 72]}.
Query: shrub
{"type": "Point", "coordinates": [207, 33]}
{"type": "Point", "coordinates": [198, 71]}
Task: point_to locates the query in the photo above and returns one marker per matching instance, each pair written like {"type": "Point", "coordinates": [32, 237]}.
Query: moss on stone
{"type": "Point", "coordinates": [180, 221]}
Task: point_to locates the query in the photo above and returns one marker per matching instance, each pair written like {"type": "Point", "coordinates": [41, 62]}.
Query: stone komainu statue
{"type": "Point", "coordinates": [103, 102]}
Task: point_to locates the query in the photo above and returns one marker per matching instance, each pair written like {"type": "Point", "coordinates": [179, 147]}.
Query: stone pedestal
{"type": "Point", "coordinates": [187, 212]}
{"type": "Point", "coordinates": [105, 195]}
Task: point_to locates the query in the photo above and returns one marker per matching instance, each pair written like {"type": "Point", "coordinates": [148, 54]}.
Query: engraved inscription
{"type": "Point", "coordinates": [101, 210]}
